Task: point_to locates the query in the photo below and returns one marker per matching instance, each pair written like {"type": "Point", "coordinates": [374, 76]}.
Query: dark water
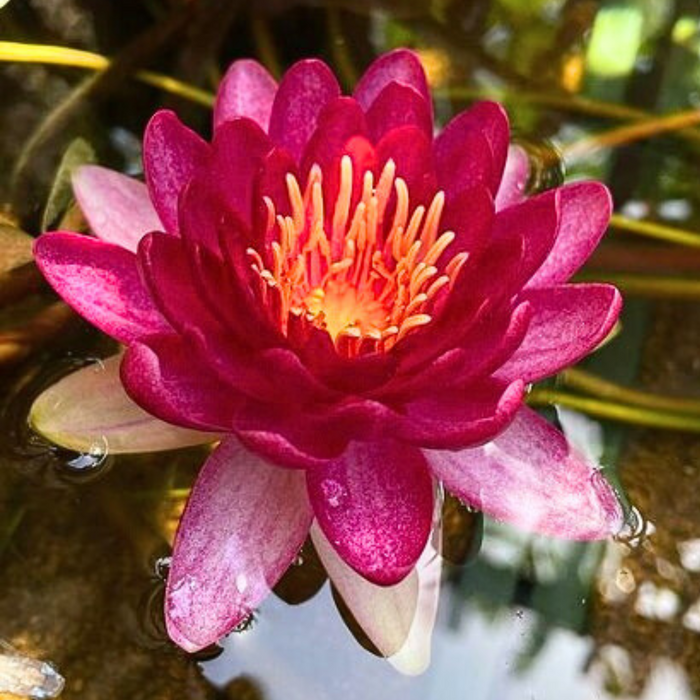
{"type": "Point", "coordinates": [84, 539]}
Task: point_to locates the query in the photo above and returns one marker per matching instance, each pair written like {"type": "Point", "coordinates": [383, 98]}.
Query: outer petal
{"type": "Point", "coordinates": [171, 155]}
{"type": "Point", "coordinates": [401, 66]}
{"type": "Point", "coordinates": [306, 88]}
{"type": "Point", "coordinates": [89, 410]}
{"type": "Point", "coordinates": [161, 373]}
{"type": "Point", "coordinates": [375, 504]}
{"type": "Point", "coordinates": [568, 323]}
{"type": "Point", "coordinates": [117, 207]}
{"type": "Point", "coordinates": [246, 90]}
{"type": "Point", "coordinates": [101, 282]}
{"type": "Point", "coordinates": [530, 477]}
{"type": "Point", "coordinates": [243, 526]}
{"type": "Point", "coordinates": [452, 419]}
{"type": "Point", "coordinates": [584, 215]}
{"type": "Point", "coordinates": [515, 176]}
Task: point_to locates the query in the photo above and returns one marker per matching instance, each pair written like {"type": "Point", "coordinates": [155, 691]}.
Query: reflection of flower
{"type": "Point", "coordinates": [343, 295]}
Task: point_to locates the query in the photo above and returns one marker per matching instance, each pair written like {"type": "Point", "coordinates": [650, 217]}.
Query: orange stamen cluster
{"type": "Point", "coordinates": [366, 281]}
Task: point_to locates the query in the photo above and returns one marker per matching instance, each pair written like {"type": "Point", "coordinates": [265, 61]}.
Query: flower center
{"type": "Point", "coordinates": [365, 277]}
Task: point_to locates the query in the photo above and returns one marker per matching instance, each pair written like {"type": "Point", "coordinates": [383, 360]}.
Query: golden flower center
{"type": "Point", "coordinates": [365, 280]}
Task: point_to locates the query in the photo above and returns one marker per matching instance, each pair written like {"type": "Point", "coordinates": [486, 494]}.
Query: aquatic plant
{"type": "Point", "coordinates": [353, 308]}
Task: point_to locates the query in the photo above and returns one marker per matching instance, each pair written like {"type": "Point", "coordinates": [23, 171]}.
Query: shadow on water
{"type": "Point", "coordinates": [84, 538]}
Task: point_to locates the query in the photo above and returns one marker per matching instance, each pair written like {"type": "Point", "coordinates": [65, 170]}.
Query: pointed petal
{"type": "Point", "coordinates": [384, 612]}
{"type": "Point", "coordinates": [568, 322]}
{"type": "Point", "coordinates": [375, 504]}
{"type": "Point", "coordinates": [457, 417]}
{"type": "Point", "coordinates": [401, 66]}
{"type": "Point", "coordinates": [164, 375]}
{"type": "Point", "coordinates": [396, 106]}
{"type": "Point", "coordinates": [584, 216]}
{"type": "Point", "coordinates": [239, 148]}
{"type": "Point", "coordinates": [171, 155]}
{"type": "Point", "coordinates": [306, 88]}
{"type": "Point", "coordinates": [515, 176]}
{"type": "Point", "coordinates": [244, 524]}
{"type": "Point", "coordinates": [246, 90]}
{"type": "Point", "coordinates": [89, 409]}
{"type": "Point", "coordinates": [101, 282]}
{"type": "Point", "coordinates": [460, 147]}
{"type": "Point", "coordinates": [117, 207]}
{"type": "Point", "coordinates": [530, 477]}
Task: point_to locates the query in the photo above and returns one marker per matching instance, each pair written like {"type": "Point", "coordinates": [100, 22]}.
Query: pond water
{"type": "Point", "coordinates": [84, 539]}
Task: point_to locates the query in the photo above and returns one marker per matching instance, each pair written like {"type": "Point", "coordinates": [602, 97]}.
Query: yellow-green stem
{"type": "Point", "coordinates": [75, 58]}
{"type": "Point", "coordinates": [647, 286]}
{"type": "Point", "coordinates": [571, 103]}
{"type": "Point", "coordinates": [651, 229]}
{"type": "Point", "coordinates": [603, 389]}
{"type": "Point", "coordinates": [644, 129]}
{"type": "Point", "coordinates": [611, 410]}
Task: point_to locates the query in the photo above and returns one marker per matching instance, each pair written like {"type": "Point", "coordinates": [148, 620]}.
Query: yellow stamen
{"type": "Point", "coordinates": [366, 281]}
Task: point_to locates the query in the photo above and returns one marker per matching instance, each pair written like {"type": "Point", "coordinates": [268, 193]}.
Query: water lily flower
{"type": "Point", "coordinates": [354, 308]}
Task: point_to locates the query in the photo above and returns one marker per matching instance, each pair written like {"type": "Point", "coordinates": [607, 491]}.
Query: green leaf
{"type": "Point", "coordinates": [78, 153]}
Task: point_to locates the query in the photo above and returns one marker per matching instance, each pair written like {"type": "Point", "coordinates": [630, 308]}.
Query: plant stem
{"type": "Point", "coordinates": [651, 229]}
{"type": "Point", "coordinates": [75, 58]}
{"type": "Point", "coordinates": [603, 389]}
{"type": "Point", "coordinates": [571, 103]}
{"type": "Point", "coordinates": [647, 286]}
{"type": "Point", "coordinates": [629, 133]}
{"type": "Point", "coordinates": [611, 410]}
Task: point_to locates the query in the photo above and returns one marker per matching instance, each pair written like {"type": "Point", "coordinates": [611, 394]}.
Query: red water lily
{"type": "Point", "coordinates": [356, 308]}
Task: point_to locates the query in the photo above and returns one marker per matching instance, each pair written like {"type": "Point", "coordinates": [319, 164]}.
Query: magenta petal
{"type": "Point", "coordinates": [117, 207]}
{"type": "Point", "coordinates": [411, 150]}
{"type": "Point", "coordinates": [530, 477]}
{"type": "Point", "coordinates": [306, 88]}
{"type": "Point", "coordinates": [585, 209]}
{"type": "Point", "coordinates": [239, 149]}
{"type": "Point", "coordinates": [101, 282]}
{"type": "Point", "coordinates": [162, 375]}
{"type": "Point", "coordinates": [515, 178]}
{"type": "Point", "coordinates": [396, 106]}
{"type": "Point", "coordinates": [473, 147]}
{"type": "Point", "coordinates": [536, 221]}
{"type": "Point", "coordinates": [400, 66]}
{"type": "Point", "coordinates": [244, 524]}
{"type": "Point", "coordinates": [171, 155]}
{"type": "Point", "coordinates": [568, 322]}
{"type": "Point", "coordinates": [246, 90]}
{"type": "Point", "coordinates": [459, 417]}
{"type": "Point", "coordinates": [375, 505]}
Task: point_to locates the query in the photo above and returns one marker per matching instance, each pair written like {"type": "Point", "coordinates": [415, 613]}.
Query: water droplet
{"type": "Point", "coordinates": [546, 165]}
{"type": "Point", "coordinates": [298, 560]}
{"type": "Point", "coordinates": [246, 624]}
{"type": "Point", "coordinates": [635, 529]}
{"type": "Point", "coordinates": [334, 492]}
{"type": "Point", "coordinates": [89, 465]}
{"type": "Point", "coordinates": [161, 567]}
